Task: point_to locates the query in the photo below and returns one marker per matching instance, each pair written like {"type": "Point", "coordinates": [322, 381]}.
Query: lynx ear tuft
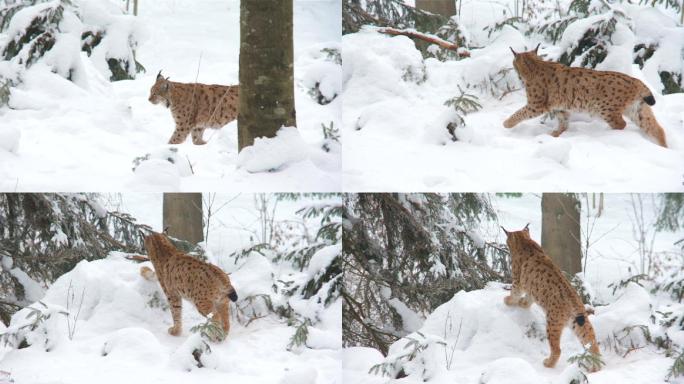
{"type": "Point", "coordinates": [159, 75]}
{"type": "Point", "coordinates": [536, 48]}
{"type": "Point", "coordinates": [166, 231]}
{"type": "Point", "coordinates": [527, 227]}
{"type": "Point", "coordinates": [505, 231]}
{"type": "Point", "coordinates": [516, 54]}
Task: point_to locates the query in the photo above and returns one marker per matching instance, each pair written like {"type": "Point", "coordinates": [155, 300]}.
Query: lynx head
{"type": "Point", "coordinates": [159, 93]}
{"type": "Point", "coordinates": [158, 246]}
{"type": "Point", "coordinates": [517, 240]}
{"type": "Point", "coordinates": [523, 61]}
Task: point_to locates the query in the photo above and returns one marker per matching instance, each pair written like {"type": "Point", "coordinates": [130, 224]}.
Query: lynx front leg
{"type": "Point", "coordinates": [180, 134]}
{"type": "Point", "coordinates": [524, 113]}
{"type": "Point", "coordinates": [176, 313]}
{"type": "Point", "coordinates": [517, 298]}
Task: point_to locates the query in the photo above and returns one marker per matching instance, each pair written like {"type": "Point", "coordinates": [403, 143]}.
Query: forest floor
{"type": "Point", "coordinates": [487, 342]}
{"type": "Point", "coordinates": [73, 138]}
{"type": "Point", "coordinates": [395, 119]}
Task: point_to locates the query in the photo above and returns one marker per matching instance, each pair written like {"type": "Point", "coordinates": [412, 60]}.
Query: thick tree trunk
{"type": "Point", "coordinates": [266, 69]}
{"type": "Point", "coordinates": [561, 237]}
{"type": "Point", "coordinates": [183, 216]}
{"type": "Point", "coordinates": [445, 8]}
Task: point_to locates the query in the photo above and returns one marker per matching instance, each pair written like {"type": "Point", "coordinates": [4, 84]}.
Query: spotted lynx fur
{"type": "Point", "coordinates": [537, 279]}
{"type": "Point", "coordinates": [556, 88]}
{"type": "Point", "coordinates": [195, 107]}
{"type": "Point", "coordinates": [184, 277]}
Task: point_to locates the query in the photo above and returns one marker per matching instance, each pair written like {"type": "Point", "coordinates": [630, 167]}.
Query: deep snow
{"type": "Point", "coordinates": [394, 126]}
{"type": "Point", "coordinates": [488, 342]}
{"type": "Point", "coordinates": [64, 136]}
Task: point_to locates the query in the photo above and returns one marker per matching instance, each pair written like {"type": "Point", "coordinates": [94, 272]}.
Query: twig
{"type": "Point", "coordinates": [429, 38]}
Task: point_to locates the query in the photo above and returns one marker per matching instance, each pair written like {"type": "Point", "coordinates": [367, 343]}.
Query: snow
{"type": "Point", "coordinates": [394, 121]}
{"type": "Point", "coordinates": [84, 135]}
{"type": "Point", "coordinates": [7, 262]}
{"type": "Point", "coordinates": [322, 259]}
{"type": "Point", "coordinates": [273, 154]}
{"type": "Point", "coordinates": [32, 289]}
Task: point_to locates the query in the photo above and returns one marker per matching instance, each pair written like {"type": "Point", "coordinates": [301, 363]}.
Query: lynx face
{"type": "Point", "coordinates": [159, 93]}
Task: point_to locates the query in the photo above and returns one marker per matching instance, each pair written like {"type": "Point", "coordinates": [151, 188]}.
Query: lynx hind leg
{"type": "Point", "coordinates": [222, 309]}
{"type": "Point", "coordinates": [554, 329]}
{"type": "Point", "coordinates": [524, 113]}
{"type": "Point", "coordinates": [562, 117]}
{"type": "Point", "coordinates": [615, 120]}
{"type": "Point", "coordinates": [585, 334]}
{"type": "Point", "coordinates": [207, 307]}
{"type": "Point", "coordinates": [642, 115]}
{"type": "Point", "coordinates": [197, 138]}
{"type": "Point", "coordinates": [176, 313]}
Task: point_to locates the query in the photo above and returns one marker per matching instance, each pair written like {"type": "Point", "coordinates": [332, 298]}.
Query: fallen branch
{"type": "Point", "coordinates": [425, 37]}
{"type": "Point", "coordinates": [138, 258]}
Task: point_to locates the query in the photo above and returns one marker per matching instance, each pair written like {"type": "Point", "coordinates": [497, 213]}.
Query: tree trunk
{"type": "Point", "coordinates": [445, 8]}
{"type": "Point", "coordinates": [561, 238]}
{"type": "Point", "coordinates": [183, 216]}
{"type": "Point", "coordinates": [266, 70]}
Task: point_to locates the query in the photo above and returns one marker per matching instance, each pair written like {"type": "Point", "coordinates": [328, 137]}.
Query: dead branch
{"type": "Point", "coordinates": [138, 258]}
{"type": "Point", "coordinates": [429, 38]}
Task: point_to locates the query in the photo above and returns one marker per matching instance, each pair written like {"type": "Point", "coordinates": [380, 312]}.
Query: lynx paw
{"type": "Point", "coordinates": [175, 331]}
{"type": "Point", "coordinates": [550, 362]}
{"type": "Point", "coordinates": [508, 123]}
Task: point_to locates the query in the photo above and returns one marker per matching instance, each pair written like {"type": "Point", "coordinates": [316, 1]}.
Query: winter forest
{"type": "Point", "coordinates": [75, 78]}
{"type": "Point", "coordinates": [428, 83]}
{"type": "Point", "coordinates": [74, 304]}
{"type": "Point", "coordinates": [426, 274]}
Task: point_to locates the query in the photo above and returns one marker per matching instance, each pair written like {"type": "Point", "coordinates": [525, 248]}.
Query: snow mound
{"type": "Point", "coordinates": [300, 376]}
{"type": "Point", "coordinates": [273, 154]}
{"type": "Point", "coordinates": [509, 370]}
{"type": "Point", "coordinates": [475, 337]}
{"type": "Point", "coordinates": [154, 175]}
{"type": "Point", "coordinates": [135, 344]}
{"type": "Point", "coordinates": [9, 138]}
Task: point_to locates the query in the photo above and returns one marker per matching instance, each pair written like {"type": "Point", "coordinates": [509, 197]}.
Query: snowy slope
{"type": "Point", "coordinates": [72, 138]}
{"type": "Point", "coordinates": [120, 337]}
{"type": "Point", "coordinates": [395, 133]}
{"type": "Point", "coordinates": [488, 342]}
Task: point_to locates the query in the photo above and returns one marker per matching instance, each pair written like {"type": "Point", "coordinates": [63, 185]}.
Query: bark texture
{"type": "Point", "coordinates": [445, 8]}
{"type": "Point", "coordinates": [266, 69]}
{"type": "Point", "coordinates": [183, 216]}
{"type": "Point", "coordinates": [561, 237]}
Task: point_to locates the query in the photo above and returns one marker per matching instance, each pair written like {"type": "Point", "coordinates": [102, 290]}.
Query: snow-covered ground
{"type": "Point", "coordinates": [121, 331]}
{"type": "Point", "coordinates": [70, 137]}
{"type": "Point", "coordinates": [394, 124]}
{"type": "Point", "coordinates": [488, 342]}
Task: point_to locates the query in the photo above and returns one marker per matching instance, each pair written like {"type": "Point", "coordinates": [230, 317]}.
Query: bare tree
{"type": "Point", "coordinates": [266, 69]}
{"type": "Point", "coordinates": [183, 216]}
{"type": "Point", "coordinates": [561, 236]}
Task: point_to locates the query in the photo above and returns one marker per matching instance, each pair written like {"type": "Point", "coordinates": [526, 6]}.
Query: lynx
{"type": "Point", "coordinates": [195, 106]}
{"type": "Point", "coordinates": [555, 88]}
{"type": "Point", "coordinates": [184, 277]}
{"type": "Point", "coordinates": [537, 279]}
